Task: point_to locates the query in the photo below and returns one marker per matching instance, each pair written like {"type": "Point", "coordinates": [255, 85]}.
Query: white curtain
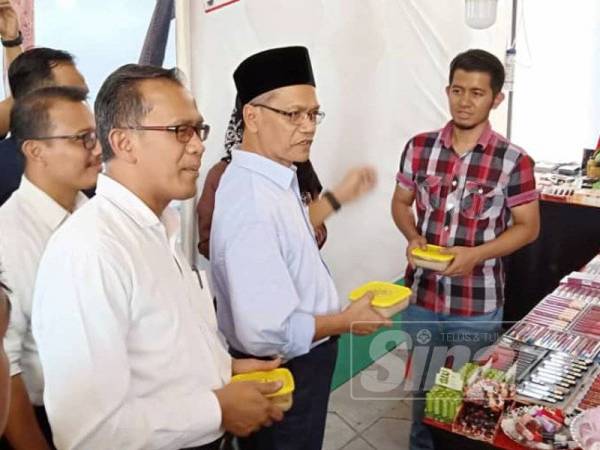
{"type": "Point", "coordinates": [557, 78]}
{"type": "Point", "coordinates": [381, 67]}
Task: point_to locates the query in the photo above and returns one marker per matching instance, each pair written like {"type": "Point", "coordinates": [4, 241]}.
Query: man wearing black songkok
{"type": "Point", "coordinates": [274, 292]}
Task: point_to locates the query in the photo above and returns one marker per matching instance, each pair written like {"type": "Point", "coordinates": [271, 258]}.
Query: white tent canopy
{"type": "Point", "coordinates": [381, 68]}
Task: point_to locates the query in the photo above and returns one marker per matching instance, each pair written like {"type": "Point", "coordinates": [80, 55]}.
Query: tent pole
{"type": "Point", "coordinates": [513, 37]}
{"type": "Point", "coordinates": [187, 211]}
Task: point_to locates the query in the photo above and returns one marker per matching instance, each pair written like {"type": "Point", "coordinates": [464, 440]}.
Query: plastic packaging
{"type": "Point", "coordinates": [284, 396]}
{"type": "Point", "coordinates": [431, 258]}
{"type": "Point", "coordinates": [509, 69]}
{"type": "Point", "coordinates": [388, 298]}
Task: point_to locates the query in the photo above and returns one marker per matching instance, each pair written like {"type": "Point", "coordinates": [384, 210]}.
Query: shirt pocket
{"type": "Point", "coordinates": [429, 191]}
{"type": "Point", "coordinates": [482, 200]}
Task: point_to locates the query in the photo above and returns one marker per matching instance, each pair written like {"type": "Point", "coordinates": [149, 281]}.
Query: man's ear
{"type": "Point", "coordinates": [121, 145]}
{"type": "Point", "coordinates": [250, 118]}
{"type": "Point", "coordinates": [34, 152]}
{"type": "Point", "coordinates": [498, 99]}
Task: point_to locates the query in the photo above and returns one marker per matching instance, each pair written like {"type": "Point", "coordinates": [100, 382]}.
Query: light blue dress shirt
{"type": "Point", "coordinates": [268, 275]}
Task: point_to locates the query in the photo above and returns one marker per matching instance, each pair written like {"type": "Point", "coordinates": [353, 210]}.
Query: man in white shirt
{"type": "Point", "coordinates": [54, 129]}
{"type": "Point", "coordinates": [127, 335]}
{"type": "Point", "coordinates": [34, 68]}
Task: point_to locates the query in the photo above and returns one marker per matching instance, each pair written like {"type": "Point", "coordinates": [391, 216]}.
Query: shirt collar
{"type": "Point", "coordinates": [278, 173]}
{"type": "Point", "coordinates": [483, 141]}
{"type": "Point", "coordinates": [50, 212]}
{"type": "Point", "coordinates": [134, 207]}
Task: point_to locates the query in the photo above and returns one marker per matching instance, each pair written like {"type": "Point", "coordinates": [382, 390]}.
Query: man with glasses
{"type": "Point", "coordinates": [127, 334]}
{"type": "Point", "coordinates": [274, 293]}
{"type": "Point", "coordinates": [33, 69]}
{"type": "Point", "coordinates": [54, 129]}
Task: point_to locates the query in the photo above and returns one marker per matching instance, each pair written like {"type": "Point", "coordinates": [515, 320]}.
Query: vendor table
{"type": "Point", "coordinates": [445, 439]}
{"type": "Point", "coordinates": [570, 242]}
{"type": "Point", "coordinates": [569, 238]}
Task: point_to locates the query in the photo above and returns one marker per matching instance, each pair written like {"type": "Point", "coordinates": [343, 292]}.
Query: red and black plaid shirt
{"type": "Point", "coordinates": [464, 200]}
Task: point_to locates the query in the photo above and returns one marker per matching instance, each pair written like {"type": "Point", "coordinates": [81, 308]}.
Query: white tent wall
{"type": "Point", "coordinates": [381, 67]}
{"type": "Point", "coordinates": [557, 90]}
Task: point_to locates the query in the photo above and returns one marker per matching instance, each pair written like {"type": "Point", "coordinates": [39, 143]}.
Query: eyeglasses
{"type": "Point", "coordinates": [88, 139]}
{"type": "Point", "coordinates": [296, 117]}
{"type": "Point", "coordinates": [183, 133]}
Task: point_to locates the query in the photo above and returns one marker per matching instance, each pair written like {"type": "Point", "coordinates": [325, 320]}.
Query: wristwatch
{"type": "Point", "coordinates": [334, 202]}
{"type": "Point", "coordinates": [13, 42]}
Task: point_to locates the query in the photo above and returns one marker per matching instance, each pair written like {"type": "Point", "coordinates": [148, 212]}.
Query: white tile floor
{"type": "Point", "coordinates": [355, 424]}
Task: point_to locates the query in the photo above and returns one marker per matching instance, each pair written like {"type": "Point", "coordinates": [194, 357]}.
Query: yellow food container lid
{"type": "Point", "coordinates": [432, 254]}
{"type": "Point", "coordinates": [281, 374]}
{"type": "Point", "coordinates": [385, 294]}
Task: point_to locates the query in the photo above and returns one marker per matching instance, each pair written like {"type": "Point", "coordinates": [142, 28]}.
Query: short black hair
{"type": "Point", "coordinates": [477, 60]}
{"type": "Point", "coordinates": [32, 69]}
{"type": "Point", "coordinates": [119, 102]}
{"type": "Point", "coordinates": [30, 114]}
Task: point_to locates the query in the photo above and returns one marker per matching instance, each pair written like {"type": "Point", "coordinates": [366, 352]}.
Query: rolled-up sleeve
{"type": "Point", "coordinates": [263, 298]}
{"type": "Point", "coordinates": [521, 184]}
{"type": "Point", "coordinates": [15, 335]}
{"type": "Point", "coordinates": [18, 322]}
{"type": "Point", "coordinates": [405, 177]}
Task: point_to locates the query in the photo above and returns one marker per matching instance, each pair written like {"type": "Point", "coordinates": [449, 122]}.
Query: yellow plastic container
{"type": "Point", "coordinates": [388, 298]}
{"type": "Point", "coordinates": [283, 397]}
{"type": "Point", "coordinates": [432, 258]}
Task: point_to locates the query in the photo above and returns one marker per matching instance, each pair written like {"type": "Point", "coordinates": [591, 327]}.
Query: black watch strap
{"type": "Point", "coordinates": [335, 204]}
{"type": "Point", "coordinates": [13, 42]}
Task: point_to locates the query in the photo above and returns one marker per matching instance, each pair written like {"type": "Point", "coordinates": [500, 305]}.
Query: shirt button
{"type": "Point", "coordinates": [480, 191]}
{"type": "Point", "coordinates": [454, 183]}
{"type": "Point", "coordinates": [446, 228]}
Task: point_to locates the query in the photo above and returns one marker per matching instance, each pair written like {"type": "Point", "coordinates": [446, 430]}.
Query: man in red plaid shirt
{"type": "Point", "coordinates": [475, 195]}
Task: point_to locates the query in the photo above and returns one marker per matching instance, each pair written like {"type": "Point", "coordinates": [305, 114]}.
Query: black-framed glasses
{"type": "Point", "coordinates": [296, 117]}
{"type": "Point", "coordinates": [88, 138]}
{"type": "Point", "coordinates": [183, 133]}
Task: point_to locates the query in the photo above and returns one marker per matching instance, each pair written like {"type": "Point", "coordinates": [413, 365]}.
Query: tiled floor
{"type": "Point", "coordinates": [365, 424]}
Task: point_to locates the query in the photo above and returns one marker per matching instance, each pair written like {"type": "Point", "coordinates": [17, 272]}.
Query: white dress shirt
{"type": "Point", "coordinates": [267, 271]}
{"type": "Point", "coordinates": [27, 220]}
{"type": "Point", "coordinates": [127, 337]}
